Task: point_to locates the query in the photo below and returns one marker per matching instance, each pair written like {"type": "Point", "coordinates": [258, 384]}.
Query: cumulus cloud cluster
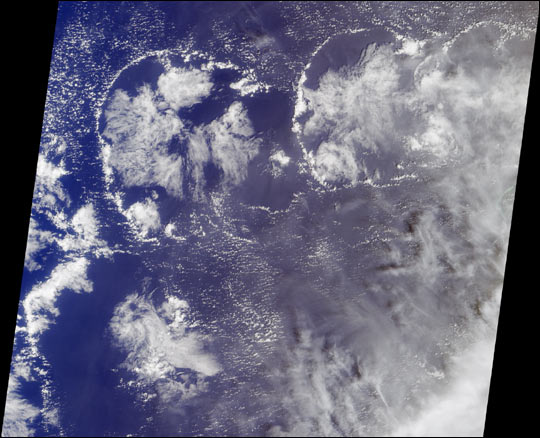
{"type": "Point", "coordinates": [50, 199]}
{"type": "Point", "coordinates": [184, 87]}
{"type": "Point", "coordinates": [145, 216]}
{"type": "Point", "coordinates": [78, 243]}
{"type": "Point", "coordinates": [279, 161]}
{"type": "Point", "coordinates": [37, 240]}
{"type": "Point", "coordinates": [165, 350]}
{"type": "Point", "coordinates": [435, 104]}
{"type": "Point", "coordinates": [140, 130]}
{"type": "Point", "coordinates": [140, 133]}
{"type": "Point", "coordinates": [227, 142]}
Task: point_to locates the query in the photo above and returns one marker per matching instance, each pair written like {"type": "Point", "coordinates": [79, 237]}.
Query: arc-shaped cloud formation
{"type": "Point", "coordinates": [140, 130]}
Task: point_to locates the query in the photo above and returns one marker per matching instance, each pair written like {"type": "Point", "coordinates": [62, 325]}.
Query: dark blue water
{"type": "Point", "coordinates": [81, 355]}
{"type": "Point", "coordinates": [146, 71]}
{"type": "Point", "coordinates": [341, 51]}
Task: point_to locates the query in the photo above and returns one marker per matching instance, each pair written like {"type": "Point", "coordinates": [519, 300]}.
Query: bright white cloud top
{"type": "Point", "coordinates": [160, 341]}
{"type": "Point", "coordinates": [141, 128]}
{"type": "Point", "coordinates": [145, 215]}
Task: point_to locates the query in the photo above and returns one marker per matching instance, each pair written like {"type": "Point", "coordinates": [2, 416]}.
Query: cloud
{"type": "Point", "coordinates": [141, 129]}
{"type": "Point", "coordinates": [228, 142]}
{"type": "Point", "coordinates": [249, 85]}
{"type": "Point", "coordinates": [433, 104]}
{"type": "Point", "coordinates": [37, 241]}
{"type": "Point", "coordinates": [165, 351]}
{"type": "Point", "coordinates": [140, 133]}
{"type": "Point", "coordinates": [39, 305]}
{"type": "Point", "coordinates": [50, 196]}
{"type": "Point", "coordinates": [171, 231]}
{"type": "Point", "coordinates": [460, 410]}
{"type": "Point", "coordinates": [280, 158]}
{"type": "Point", "coordinates": [410, 351]}
{"type": "Point", "coordinates": [80, 237]}
{"type": "Point", "coordinates": [74, 242]}
{"type": "Point", "coordinates": [145, 215]}
{"type": "Point", "coordinates": [82, 233]}
{"type": "Point", "coordinates": [335, 163]}
{"type": "Point", "coordinates": [232, 144]}
{"type": "Point", "coordinates": [184, 87]}
{"type": "Point", "coordinates": [19, 414]}
{"type": "Point", "coordinates": [279, 161]}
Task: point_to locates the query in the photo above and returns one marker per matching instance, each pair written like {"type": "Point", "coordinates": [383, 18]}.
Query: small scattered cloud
{"type": "Point", "coordinates": [279, 161]}
{"type": "Point", "coordinates": [50, 195]}
{"type": "Point", "coordinates": [249, 85]}
{"type": "Point", "coordinates": [171, 232]}
{"type": "Point", "coordinates": [73, 240]}
{"type": "Point", "coordinates": [38, 240]}
{"type": "Point", "coordinates": [82, 233]}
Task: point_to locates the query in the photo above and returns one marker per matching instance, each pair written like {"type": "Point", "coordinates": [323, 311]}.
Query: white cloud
{"type": "Point", "coordinates": [459, 410]}
{"type": "Point", "coordinates": [82, 233]}
{"type": "Point", "coordinates": [248, 85]}
{"type": "Point", "coordinates": [19, 413]}
{"type": "Point", "coordinates": [279, 160]}
{"type": "Point", "coordinates": [39, 305]}
{"type": "Point", "coordinates": [37, 241]}
{"type": "Point", "coordinates": [81, 236]}
{"type": "Point", "coordinates": [79, 242]}
{"type": "Point", "coordinates": [199, 154]}
{"type": "Point", "coordinates": [49, 193]}
{"type": "Point", "coordinates": [140, 132]}
{"type": "Point", "coordinates": [183, 87]}
{"type": "Point", "coordinates": [334, 163]}
{"type": "Point", "coordinates": [414, 357]}
{"type": "Point", "coordinates": [228, 142]}
{"type": "Point", "coordinates": [141, 128]}
{"type": "Point", "coordinates": [145, 215]}
{"type": "Point", "coordinates": [411, 47]}
{"type": "Point", "coordinates": [432, 106]}
{"type": "Point", "coordinates": [232, 143]}
{"type": "Point", "coordinates": [161, 343]}
{"type": "Point", "coordinates": [170, 231]}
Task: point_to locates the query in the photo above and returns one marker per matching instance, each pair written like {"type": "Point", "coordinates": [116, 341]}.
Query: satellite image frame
{"type": "Point", "coordinates": [266, 218]}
